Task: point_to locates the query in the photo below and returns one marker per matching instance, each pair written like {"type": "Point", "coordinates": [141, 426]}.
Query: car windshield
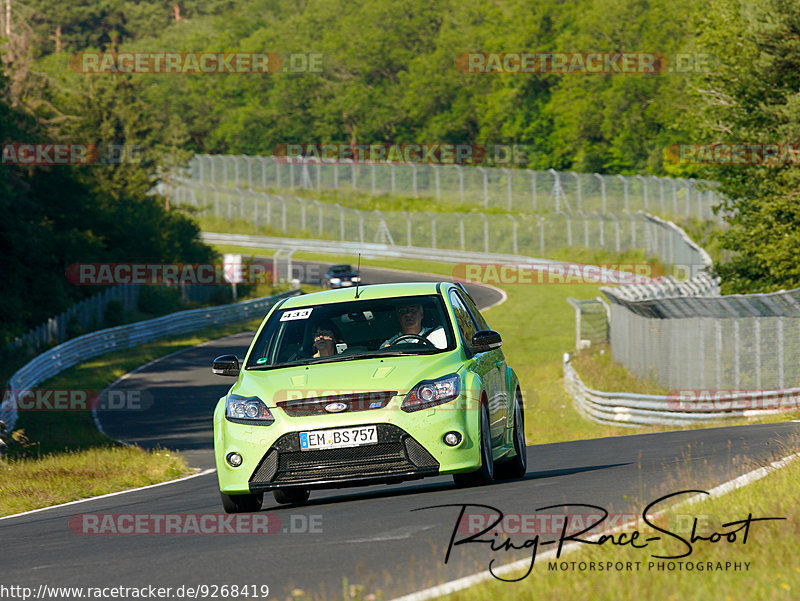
{"type": "Point", "coordinates": [341, 269]}
{"type": "Point", "coordinates": [356, 329]}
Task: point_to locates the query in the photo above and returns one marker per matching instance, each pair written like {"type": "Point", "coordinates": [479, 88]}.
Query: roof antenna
{"type": "Point", "coordinates": [358, 274]}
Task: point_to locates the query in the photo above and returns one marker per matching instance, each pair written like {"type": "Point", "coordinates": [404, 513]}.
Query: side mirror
{"type": "Point", "coordinates": [485, 340]}
{"type": "Point", "coordinates": [226, 365]}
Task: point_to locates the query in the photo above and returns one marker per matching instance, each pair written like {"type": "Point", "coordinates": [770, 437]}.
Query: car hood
{"type": "Point", "coordinates": [349, 274]}
{"type": "Point", "coordinates": [361, 375]}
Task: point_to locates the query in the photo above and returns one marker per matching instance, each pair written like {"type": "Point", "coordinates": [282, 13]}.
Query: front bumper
{"type": "Point", "coordinates": [409, 446]}
{"type": "Point", "coordinates": [395, 457]}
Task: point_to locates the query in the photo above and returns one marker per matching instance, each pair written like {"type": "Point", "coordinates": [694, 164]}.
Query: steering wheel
{"type": "Point", "coordinates": [415, 337]}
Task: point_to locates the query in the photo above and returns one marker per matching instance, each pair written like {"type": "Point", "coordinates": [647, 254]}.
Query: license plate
{"type": "Point", "coordinates": [338, 438]}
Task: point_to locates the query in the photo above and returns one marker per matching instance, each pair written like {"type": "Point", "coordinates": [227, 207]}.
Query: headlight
{"type": "Point", "coordinates": [247, 410]}
{"type": "Point", "coordinates": [356, 278]}
{"type": "Point", "coordinates": [430, 393]}
{"type": "Point", "coordinates": [335, 280]}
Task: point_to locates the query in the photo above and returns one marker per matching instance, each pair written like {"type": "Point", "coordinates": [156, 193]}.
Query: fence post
{"type": "Point", "coordinates": [255, 209]}
{"type": "Point", "coordinates": [533, 188]}
{"type": "Point", "coordinates": [688, 186]}
{"type": "Point", "coordinates": [674, 196]}
{"type": "Point", "coordinates": [736, 346]}
{"type": "Point", "coordinates": [508, 186]}
{"type": "Point", "coordinates": [602, 190]}
{"type": "Point", "coordinates": [541, 233]}
{"type": "Point", "coordinates": [513, 233]}
{"type": "Point", "coordinates": [569, 227]}
{"type": "Point", "coordinates": [780, 352]}
{"type": "Point", "coordinates": [644, 190]}
{"type": "Point", "coordinates": [625, 189]}
{"type": "Point", "coordinates": [485, 233]}
{"type": "Point", "coordinates": [283, 212]}
{"type": "Point", "coordinates": [263, 161]}
{"type": "Point", "coordinates": [578, 185]}
{"type": "Point", "coordinates": [302, 213]}
{"type": "Point", "coordinates": [485, 187]}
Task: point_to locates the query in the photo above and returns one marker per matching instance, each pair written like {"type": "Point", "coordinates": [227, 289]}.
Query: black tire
{"type": "Point", "coordinates": [485, 473]}
{"type": "Point", "coordinates": [295, 496]}
{"type": "Point", "coordinates": [516, 466]}
{"type": "Point", "coordinates": [246, 503]}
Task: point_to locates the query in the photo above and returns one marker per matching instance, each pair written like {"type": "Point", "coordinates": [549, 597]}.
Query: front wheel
{"type": "Point", "coordinates": [295, 496]}
{"type": "Point", "coordinates": [517, 465]}
{"type": "Point", "coordinates": [484, 474]}
{"type": "Point", "coordinates": [246, 503]}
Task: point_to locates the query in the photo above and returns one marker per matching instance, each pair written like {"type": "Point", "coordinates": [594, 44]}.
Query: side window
{"type": "Point", "coordinates": [463, 318]}
{"type": "Point", "coordinates": [482, 325]}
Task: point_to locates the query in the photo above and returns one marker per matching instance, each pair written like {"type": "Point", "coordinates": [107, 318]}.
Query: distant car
{"type": "Point", "coordinates": [337, 391]}
{"type": "Point", "coordinates": [340, 276]}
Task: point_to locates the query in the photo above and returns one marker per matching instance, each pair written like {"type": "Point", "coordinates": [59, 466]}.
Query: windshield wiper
{"type": "Point", "coordinates": [370, 355]}
{"type": "Point", "coordinates": [333, 359]}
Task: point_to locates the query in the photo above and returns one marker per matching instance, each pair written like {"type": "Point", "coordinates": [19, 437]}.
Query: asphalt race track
{"type": "Point", "coordinates": [370, 535]}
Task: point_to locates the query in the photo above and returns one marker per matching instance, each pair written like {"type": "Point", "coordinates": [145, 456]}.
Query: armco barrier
{"type": "Point", "coordinates": [97, 343]}
{"type": "Point", "coordinates": [635, 410]}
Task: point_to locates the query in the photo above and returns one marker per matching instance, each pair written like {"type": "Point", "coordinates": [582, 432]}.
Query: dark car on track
{"type": "Point", "coordinates": [340, 276]}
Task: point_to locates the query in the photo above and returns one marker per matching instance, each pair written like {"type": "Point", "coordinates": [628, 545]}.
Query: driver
{"type": "Point", "coordinates": [410, 315]}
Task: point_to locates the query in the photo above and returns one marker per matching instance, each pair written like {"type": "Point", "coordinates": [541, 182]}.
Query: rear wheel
{"type": "Point", "coordinates": [484, 474]}
{"type": "Point", "coordinates": [517, 465]}
{"type": "Point", "coordinates": [295, 496]}
{"type": "Point", "coordinates": [246, 503]}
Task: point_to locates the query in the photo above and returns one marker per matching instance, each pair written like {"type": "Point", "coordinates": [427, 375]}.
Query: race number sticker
{"type": "Point", "coordinates": [296, 314]}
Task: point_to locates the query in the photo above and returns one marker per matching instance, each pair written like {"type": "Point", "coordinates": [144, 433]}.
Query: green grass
{"type": "Point", "coordinates": [60, 456]}
{"type": "Point", "coordinates": [772, 549]}
{"type": "Point", "coordinates": [27, 484]}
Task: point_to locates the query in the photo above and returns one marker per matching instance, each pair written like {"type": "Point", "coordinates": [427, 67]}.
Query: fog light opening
{"type": "Point", "coordinates": [452, 439]}
{"type": "Point", "coordinates": [234, 459]}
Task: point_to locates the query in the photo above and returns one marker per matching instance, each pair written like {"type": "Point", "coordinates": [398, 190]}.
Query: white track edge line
{"type": "Point", "coordinates": [468, 581]}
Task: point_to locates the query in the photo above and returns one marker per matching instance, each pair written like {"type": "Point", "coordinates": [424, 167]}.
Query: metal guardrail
{"type": "Point", "coordinates": [636, 410]}
{"type": "Point", "coordinates": [105, 341]}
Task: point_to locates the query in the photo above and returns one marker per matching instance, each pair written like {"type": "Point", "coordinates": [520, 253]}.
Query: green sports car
{"type": "Point", "coordinates": [375, 384]}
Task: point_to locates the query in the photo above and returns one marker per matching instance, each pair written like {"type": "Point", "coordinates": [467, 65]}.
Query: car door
{"type": "Point", "coordinates": [484, 365]}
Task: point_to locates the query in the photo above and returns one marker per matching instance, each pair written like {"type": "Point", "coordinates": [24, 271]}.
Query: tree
{"type": "Point", "coordinates": [753, 97]}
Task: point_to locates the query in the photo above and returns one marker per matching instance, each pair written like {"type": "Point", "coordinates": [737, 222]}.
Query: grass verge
{"type": "Point", "coordinates": [60, 456]}
{"type": "Point", "coordinates": [771, 550]}
{"type": "Point", "coordinates": [27, 484]}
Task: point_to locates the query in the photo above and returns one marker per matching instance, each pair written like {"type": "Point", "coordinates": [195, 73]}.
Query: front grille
{"type": "Point", "coordinates": [359, 401]}
{"type": "Point", "coordinates": [395, 454]}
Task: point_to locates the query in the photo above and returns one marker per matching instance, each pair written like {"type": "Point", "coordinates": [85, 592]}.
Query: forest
{"type": "Point", "coordinates": [384, 73]}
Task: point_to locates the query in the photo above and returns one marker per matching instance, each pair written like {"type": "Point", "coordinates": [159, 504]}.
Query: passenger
{"type": "Point", "coordinates": [325, 338]}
